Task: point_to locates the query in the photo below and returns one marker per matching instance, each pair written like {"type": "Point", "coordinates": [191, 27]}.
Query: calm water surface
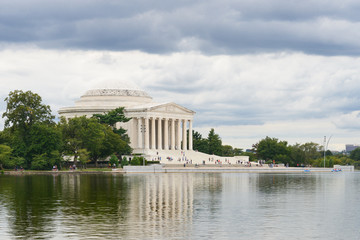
{"type": "Point", "coordinates": [181, 206]}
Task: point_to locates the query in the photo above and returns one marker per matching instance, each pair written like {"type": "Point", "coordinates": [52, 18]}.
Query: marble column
{"type": "Point", "coordinates": [166, 134]}
{"type": "Point", "coordinates": [146, 130]}
{"type": "Point", "coordinates": [184, 142]}
{"type": "Point", "coordinates": [172, 134]}
{"type": "Point", "coordinates": [139, 132]}
{"type": "Point", "coordinates": [153, 143]}
{"type": "Point", "coordinates": [159, 142]}
{"type": "Point", "coordinates": [178, 139]}
{"type": "Point", "coordinates": [190, 136]}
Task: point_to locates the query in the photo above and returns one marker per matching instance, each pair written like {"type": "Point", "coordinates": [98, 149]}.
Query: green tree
{"type": "Point", "coordinates": [87, 133]}
{"type": "Point", "coordinates": [214, 143]}
{"type": "Point", "coordinates": [271, 148]}
{"type": "Point", "coordinates": [355, 154]}
{"type": "Point", "coordinates": [73, 132]}
{"type": "Point", "coordinates": [124, 162]}
{"type": "Point", "coordinates": [114, 160]}
{"type": "Point", "coordinates": [297, 155]}
{"type": "Point", "coordinates": [200, 144]}
{"type": "Point", "coordinates": [5, 154]}
{"type": "Point", "coordinates": [227, 151]}
{"type": "Point", "coordinates": [23, 109]}
{"type": "Point", "coordinates": [111, 118]}
{"type": "Point", "coordinates": [83, 156]}
{"type": "Point", "coordinates": [24, 116]}
{"type": "Point", "coordinates": [311, 151]}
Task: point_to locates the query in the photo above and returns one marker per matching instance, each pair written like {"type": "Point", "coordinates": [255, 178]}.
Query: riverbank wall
{"type": "Point", "coordinates": [218, 168]}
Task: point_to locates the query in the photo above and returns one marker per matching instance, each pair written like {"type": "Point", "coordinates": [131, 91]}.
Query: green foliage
{"type": "Point", "coordinates": [14, 161]}
{"type": "Point", "coordinates": [114, 160]}
{"type": "Point", "coordinates": [83, 156]}
{"type": "Point", "coordinates": [44, 139]}
{"type": "Point", "coordinates": [200, 144]}
{"type": "Point", "coordinates": [215, 144]}
{"type": "Point", "coordinates": [23, 109]}
{"type": "Point", "coordinates": [355, 154]}
{"type": "Point", "coordinates": [40, 162]}
{"type": "Point", "coordinates": [29, 127]}
{"type": "Point", "coordinates": [124, 162]}
{"type": "Point", "coordinates": [5, 153]}
{"type": "Point", "coordinates": [137, 161]}
{"type": "Point", "coordinates": [113, 117]}
{"type": "Point", "coordinates": [46, 161]}
{"type": "Point", "coordinates": [87, 133]}
{"type": "Point", "coordinates": [270, 148]}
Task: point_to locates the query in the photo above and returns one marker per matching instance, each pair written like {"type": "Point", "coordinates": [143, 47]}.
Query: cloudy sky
{"type": "Point", "coordinates": [249, 68]}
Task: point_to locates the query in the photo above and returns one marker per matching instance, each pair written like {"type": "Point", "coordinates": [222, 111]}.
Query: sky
{"type": "Point", "coordinates": [248, 68]}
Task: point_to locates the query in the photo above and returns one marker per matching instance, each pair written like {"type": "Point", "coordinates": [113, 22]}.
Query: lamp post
{"type": "Point", "coordinates": [325, 146]}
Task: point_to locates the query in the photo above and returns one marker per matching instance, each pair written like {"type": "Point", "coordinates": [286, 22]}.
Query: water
{"type": "Point", "coordinates": [181, 206]}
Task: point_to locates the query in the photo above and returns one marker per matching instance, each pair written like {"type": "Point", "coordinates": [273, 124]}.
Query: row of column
{"type": "Point", "coordinates": [163, 133]}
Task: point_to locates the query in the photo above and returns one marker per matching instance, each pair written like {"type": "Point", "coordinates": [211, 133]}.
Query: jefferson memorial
{"type": "Point", "coordinates": [156, 130]}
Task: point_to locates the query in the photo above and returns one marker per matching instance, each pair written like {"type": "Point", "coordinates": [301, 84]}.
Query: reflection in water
{"type": "Point", "coordinates": [184, 206]}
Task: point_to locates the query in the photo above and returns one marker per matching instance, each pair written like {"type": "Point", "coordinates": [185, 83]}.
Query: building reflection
{"type": "Point", "coordinates": [162, 202]}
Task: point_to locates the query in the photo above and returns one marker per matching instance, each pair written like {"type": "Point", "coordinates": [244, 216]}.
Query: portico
{"type": "Point", "coordinates": [160, 127]}
{"type": "Point", "coordinates": [160, 133]}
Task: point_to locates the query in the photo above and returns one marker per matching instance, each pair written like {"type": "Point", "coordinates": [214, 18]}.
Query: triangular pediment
{"type": "Point", "coordinates": [170, 108]}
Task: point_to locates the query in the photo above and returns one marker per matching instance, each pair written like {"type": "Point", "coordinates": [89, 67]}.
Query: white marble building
{"type": "Point", "coordinates": [156, 130]}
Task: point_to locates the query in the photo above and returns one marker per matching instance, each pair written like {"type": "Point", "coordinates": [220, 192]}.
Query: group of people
{"type": "Point", "coordinates": [20, 168]}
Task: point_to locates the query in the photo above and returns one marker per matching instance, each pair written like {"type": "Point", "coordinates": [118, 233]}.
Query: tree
{"type": "Point", "coordinates": [83, 156]}
{"type": "Point", "coordinates": [271, 148]}
{"type": "Point", "coordinates": [227, 151]}
{"type": "Point", "coordinates": [355, 154]}
{"type": "Point", "coordinates": [311, 151]}
{"type": "Point", "coordinates": [24, 116]}
{"type": "Point", "coordinates": [5, 153]}
{"type": "Point", "coordinates": [200, 144]}
{"type": "Point", "coordinates": [214, 143]}
{"type": "Point", "coordinates": [73, 134]}
{"type": "Point", "coordinates": [113, 117]}
{"type": "Point", "coordinates": [87, 133]}
{"type": "Point", "coordinates": [23, 109]}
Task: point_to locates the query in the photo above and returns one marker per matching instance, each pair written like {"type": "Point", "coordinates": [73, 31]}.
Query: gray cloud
{"type": "Point", "coordinates": [212, 27]}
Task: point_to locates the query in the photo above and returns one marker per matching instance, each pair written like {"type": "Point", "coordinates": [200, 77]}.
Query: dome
{"type": "Point", "coordinates": [116, 92]}
{"type": "Point", "coordinates": [113, 98]}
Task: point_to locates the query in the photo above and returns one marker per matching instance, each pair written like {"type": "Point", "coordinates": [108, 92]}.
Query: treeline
{"type": "Point", "coordinates": [270, 149]}
{"type": "Point", "coordinates": [33, 140]}
{"type": "Point", "coordinates": [213, 145]}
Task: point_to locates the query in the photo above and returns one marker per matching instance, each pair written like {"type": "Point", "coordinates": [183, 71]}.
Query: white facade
{"type": "Point", "coordinates": [155, 126]}
{"type": "Point", "coordinates": [156, 130]}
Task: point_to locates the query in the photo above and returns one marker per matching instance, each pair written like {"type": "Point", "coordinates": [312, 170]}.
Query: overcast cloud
{"type": "Point", "coordinates": [211, 26]}
{"type": "Point", "coordinates": [250, 69]}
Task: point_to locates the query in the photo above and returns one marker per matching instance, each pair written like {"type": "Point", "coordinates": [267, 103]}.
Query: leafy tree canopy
{"type": "Point", "coordinates": [23, 109]}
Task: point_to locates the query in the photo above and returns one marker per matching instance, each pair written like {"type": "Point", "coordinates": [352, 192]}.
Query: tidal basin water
{"type": "Point", "coordinates": [181, 206]}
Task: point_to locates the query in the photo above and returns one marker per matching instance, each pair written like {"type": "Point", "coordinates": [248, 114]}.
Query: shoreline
{"type": "Point", "coordinates": [177, 169]}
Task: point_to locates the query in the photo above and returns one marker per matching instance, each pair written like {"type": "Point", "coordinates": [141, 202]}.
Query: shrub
{"type": "Point", "coordinates": [137, 161]}
{"type": "Point", "coordinates": [114, 160]}
{"type": "Point", "coordinates": [40, 162]}
{"type": "Point", "coordinates": [124, 162]}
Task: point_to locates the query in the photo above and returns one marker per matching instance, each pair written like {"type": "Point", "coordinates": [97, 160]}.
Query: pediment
{"type": "Point", "coordinates": [171, 108]}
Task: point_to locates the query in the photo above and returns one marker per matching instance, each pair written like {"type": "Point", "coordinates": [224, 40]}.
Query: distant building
{"type": "Point", "coordinates": [351, 147]}
{"type": "Point", "coordinates": [158, 131]}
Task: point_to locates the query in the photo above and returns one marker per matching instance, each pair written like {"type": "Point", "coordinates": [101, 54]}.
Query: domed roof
{"type": "Point", "coordinates": [116, 92]}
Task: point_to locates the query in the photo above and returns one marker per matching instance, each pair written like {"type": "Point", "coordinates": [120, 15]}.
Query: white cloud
{"type": "Point", "coordinates": [291, 96]}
